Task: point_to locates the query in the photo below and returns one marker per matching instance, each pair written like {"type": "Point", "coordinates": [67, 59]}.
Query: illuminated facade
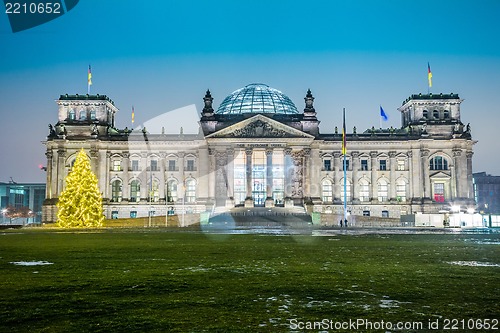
{"type": "Point", "coordinates": [257, 149]}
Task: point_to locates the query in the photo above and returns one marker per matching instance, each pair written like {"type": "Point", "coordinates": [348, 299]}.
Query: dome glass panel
{"type": "Point", "coordinates": [257, 98]}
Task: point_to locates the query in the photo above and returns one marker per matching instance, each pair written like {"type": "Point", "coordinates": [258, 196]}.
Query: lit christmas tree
{"type": "Point", "coordinates": [80, 204]}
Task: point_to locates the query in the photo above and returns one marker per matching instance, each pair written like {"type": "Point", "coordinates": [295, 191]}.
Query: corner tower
{"type": "Point", "coordinates": [84, 115]}
{"type": "Point", "coordinates": [433, 115]}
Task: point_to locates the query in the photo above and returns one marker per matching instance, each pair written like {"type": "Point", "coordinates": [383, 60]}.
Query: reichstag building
{"type": "Point", "coordinates": [256, 149]}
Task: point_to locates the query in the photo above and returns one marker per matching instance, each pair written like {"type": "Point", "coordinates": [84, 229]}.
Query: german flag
{"type": "Point", "coordinates": [429, 75]}
{"type": "Point", "coordinates": [89, 77]}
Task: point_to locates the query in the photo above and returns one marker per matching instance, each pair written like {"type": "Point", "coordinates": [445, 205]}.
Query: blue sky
{"type": "Point", "coordinates": [163, 55]}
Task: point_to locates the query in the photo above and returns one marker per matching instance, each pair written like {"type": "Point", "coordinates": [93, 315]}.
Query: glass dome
{"type": "Point", "coordinates": [257, 98]}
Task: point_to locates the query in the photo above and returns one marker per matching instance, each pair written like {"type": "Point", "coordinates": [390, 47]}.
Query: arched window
{"type": "Point", "coordinates": [446, 114]}
{"type": "Point", "coordinates": [172, 190]}
{"type": "Point", "coordinates": [401, 190]}
{"type": "Point", "coordinates": [92, 114]}
{"type": "Point", "coordinates": [348, 190]}
{"type": "Point", "coordinates": [435, 114]}
{"type": "Point", "coordinates": [71, 164]}
{"type": "Point", "coordinates": [364, 190]}
{"type": "Point", "coordinates": [135, 190]}
{"type": "Point", "coordinates": [116, 190]}
{"type": "Point", "coordinates": [383, 189]}
{"type": "Point", "coordinates": [326, 191]}
{"type": "Point", "coordinates": [190, 190]}
{"type": "Point", "coordinates": [154, 193]}
{"type": "Point", "coordinates": [83, 115]}
{"type": "Point", "coordinates": [71, 114]}
{"type": "Point", "coordinates": [438, 163]}
{"type": "Point", "coordinates": [425, 114]}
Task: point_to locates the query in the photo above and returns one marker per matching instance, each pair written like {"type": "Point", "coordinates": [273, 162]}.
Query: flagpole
{"type": "Point", "coordinates": [345, 171]}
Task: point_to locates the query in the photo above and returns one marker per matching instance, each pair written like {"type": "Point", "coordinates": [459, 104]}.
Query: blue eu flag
{"type": "Point", "coordinates": [383, 114]}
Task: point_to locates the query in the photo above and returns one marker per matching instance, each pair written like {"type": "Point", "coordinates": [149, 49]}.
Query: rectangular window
{"type": "Point", "coordinates": [114, 214]}
{"type": "Point", "coordinates": [154, 165]}
{"type": "Point", "coordinates": [366, 213]}
{"type": "Point", "coordinates": [401, 165]}
{"type": "Point", "coordinates": [383, 165]}
{"type": "Point", "coordinates": [439, 192]}
{"type": "Point", "coordinates": [83, 115]}
{"type": "Point", "coordinates": [135, 165]}
{"type": "Point", "coordinates": [327, 165]}
{"type": "Point", "coordinates": [190, 165]}
{"type": "Point", "coordinates": [346, 165]}
{"type": "Point", "coordinates": [385, 213]}
{"type": "Point", "coordinates": [117, 165]}
{"type": "Point", "coordinates": [171, 165]}
{"type": "Point", "coordinates": [133, 214]}
{"type": "Point", "coordinates": [364, 165]}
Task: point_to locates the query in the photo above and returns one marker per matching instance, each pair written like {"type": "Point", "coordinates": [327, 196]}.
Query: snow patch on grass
{"type": "Point", "coordinates": [31, 263]}
{"type": "Point", "coordinates": [473, 263]}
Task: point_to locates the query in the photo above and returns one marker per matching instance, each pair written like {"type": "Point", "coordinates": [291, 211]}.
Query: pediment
{"type": "Point", "coordinates": [259, 126]}
{"type": "Point", "coordinates": [440, 175]}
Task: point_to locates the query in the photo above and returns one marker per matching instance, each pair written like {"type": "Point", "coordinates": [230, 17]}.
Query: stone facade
{"type": "Point", "coordinates": [267, 159]}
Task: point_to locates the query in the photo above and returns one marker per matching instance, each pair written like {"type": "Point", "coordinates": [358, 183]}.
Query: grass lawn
{"type": "Point", "coordinates": [145, 280]}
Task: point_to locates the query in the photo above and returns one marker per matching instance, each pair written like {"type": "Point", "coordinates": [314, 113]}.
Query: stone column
{"type": "Point", "coordinates": [289, 172]}
{"type": "Point", "coordinates": [424, 156]}
{"type": "Point", "coordinates": [162, 192]}
{"type": "Point", "coordinates": [306, 167]}
{"type": "Point", "coordinates": [374, 172]}
{"type": "Point", "coordinates": [298, 174]}
{"type": "Point", "coordinates": [211, 175]}
{"type": "Point", "coordinates": [221, 190]}
{"type": "Point", "coordinates": [470, 189]}
{"type": "Point", "coordinates": [94, 161]}
{"type": "Point", "coordinates": [230, 173]}
{"type": "Point", "coordinates": [269, 178]}
{"type": "Point", "coordinates": [392, 176]}
{"type": "Point", "coordinates": [355, 167]}
{"type": "Point", "coordinates": [248, 165]}
{"type": "Point", "coordinates": [314, 177]}
{"type": "Point", "coordinates": [203, 175]}
{"type": "Point", "coordinates": [125, 184]}
{"type": "Point", "coordinates": [182, 179]}
{"type": "Point", "coordinates": [61, 156]}
{"type": "Point", "coordinates": [417, 176]}
{"type": "Point", "coordinates": [145, 177]}
{"type": "Point", "coordinates": [50, 186]}
{"type": "Point", "coordinates": [337, 175]}
{"type": "Point", "coordinates": [455, 174]}
{"type": "Point", "coordinates": [409, 190]}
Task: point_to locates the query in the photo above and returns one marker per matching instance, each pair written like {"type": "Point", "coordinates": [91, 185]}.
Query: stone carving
{"type": "Point", "coordinates": [61, 130]}
{"type": "Point", "coordinates": [52, 132]}
{"type": "Point", "coordinates": [95, 131]}
{"type": "Point", "coordinates": [259, 128]}
{"type": "Point", "coordinates": [221, 158]}
{"type": "Point", "coordinates": [298, 171]}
